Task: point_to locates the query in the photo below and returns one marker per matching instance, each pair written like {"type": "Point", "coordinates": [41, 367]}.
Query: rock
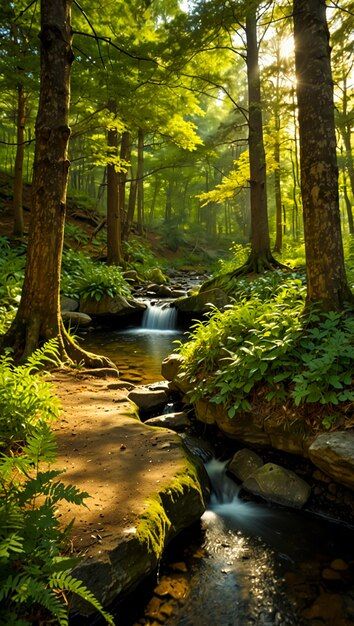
{"type": "Point", "coordinates": [199, 447]}
{"type": "Point", "coordinates": [178, 293]}
{"type": "Point", "coordinates": [147, 399]}
{"type": "Point", "coordinates": [200, 303]}
{"type": "Point", "coordinates": [74, 318]}
{"type": "Point", "coordinates": [330, 574]}
{"type": "Point", "coordinates": [339, 565]}
{"type": "Point", "coordinates": [171, 366]}
{"type": "Point", "coordinates": [175, 421]}
{"type": "Point", "coordinates": [107, 307]}
{"type": "Point", "coordinates": [162, 291]}
{"type": "Point", "coordinates": [131, 276]}
{"type": "Point", "coordinates": [333, 453]}
{"type": "Point", "coordinates": [263, 428]}
{"type": "Point", "coordinates": [277, 484]}
{"type": "Point", "coordinates": [68, 304]}
{"type": "Point", "coordinates": [157, 276]}
{"type": "Point", "coordinates": [244, 463]}
{"type": "Point", "coordinates": [123, 384]}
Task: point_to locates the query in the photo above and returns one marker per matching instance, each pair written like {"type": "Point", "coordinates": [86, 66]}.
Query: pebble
{"type": "Point", "coordinates": [330, 574]}
{"type": "Point", "coordinates": [339, 565]}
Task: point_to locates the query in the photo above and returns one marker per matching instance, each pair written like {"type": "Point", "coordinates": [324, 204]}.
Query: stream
{"type": "Point", "coordinates": [246, 563]}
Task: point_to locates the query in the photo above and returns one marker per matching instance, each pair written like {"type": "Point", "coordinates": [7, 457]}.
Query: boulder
{"type": "Point", "coordinates": [162, 291]}
{"type": "Point", "coordinates": [174, 421]}
{"type": "Point", "coordinates": [178, 293]}
{"type": "Point", "coordinates": [200, 303]}
{"type": "Point", "coordinates": [148, 399]}
{"type": "Point", "coordinates": [333, 453]}
{"type": "Point", "coordinates": [277, 484]}
{"type": "Point", "coordinates": [171, 366]}
{"type": "Point", "coordinates": [68, 304]}
{"type": "Point", "coordinates": [108, 306]}
{"type": "Point", "coordinates": [157, 276]}
{"type": "Point", "coordinates": [244, 463]}
{"type": "Point", "coordinates": [286, 432]}
{"type": "Point", "coordinates": [74, 318]}
{"type": "Point", "coordinates": [131, 276]}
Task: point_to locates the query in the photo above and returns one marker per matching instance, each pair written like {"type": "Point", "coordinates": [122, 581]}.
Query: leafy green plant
{"type": "Point", "coordinates": [34, 575]}
{"type": "Point", "coordinates": [12, 263]}
{"type": "Point", "coordinates": [75, 234]}
{"type": "Point", "coordinates": [266, 340]}
{"type": "Point", "coordinates": [25, 398]}
{"type": "Point", "coordinates": [84, 278]}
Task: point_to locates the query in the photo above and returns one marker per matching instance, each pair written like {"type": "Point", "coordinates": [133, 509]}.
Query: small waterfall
{"type": "Point", "coordinates": [157, 317]}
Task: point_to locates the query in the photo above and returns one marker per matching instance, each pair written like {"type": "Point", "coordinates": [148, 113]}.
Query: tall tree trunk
{"type": "Point", "coordinates": [20, 151]}
{"type": "Point", "coordinates": [168, 205]}
{"type": "Point", "coordinates": [153, 201]}
{"type": "Point", "coordinates": [131, 206]}
{"type": "Point", "coordinates": [348, 204]}
{"type": "Point", "coordinates": [140, 182]}
{"type": "Point", "coordinates": [125, 150]}
{"type": "Point", "coordinates": [114, 237]}
{"type": "Point", "coordinates": [38, 316]}
{"type": "Point", "coordinates": [326, 278]}
{"type": "Point", "coordinates": [261, 257]}
{"type": "Point", "coordinates": [277, 182]}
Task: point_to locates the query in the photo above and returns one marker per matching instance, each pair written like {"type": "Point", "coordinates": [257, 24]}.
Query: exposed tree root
{"type": "Point", "coordinates": [255, 264]}
{"type": "Point", "coordinates": [25, 337]}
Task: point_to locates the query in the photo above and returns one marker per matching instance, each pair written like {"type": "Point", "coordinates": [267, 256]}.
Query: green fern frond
{"type": "Point", "coordinates": [67, 582]}
{"type": "Point", "coordinates": [12, 543]}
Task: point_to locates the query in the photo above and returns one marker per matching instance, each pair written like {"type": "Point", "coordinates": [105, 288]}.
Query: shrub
{"type": "Point", "coordinates": [84, 278]}
{"type": "Point", "coordinates": [25, 398]}
{"type": "Point", "coordinates": [270, 342]}
{"type": "Point", "coordinates": [34, 576]}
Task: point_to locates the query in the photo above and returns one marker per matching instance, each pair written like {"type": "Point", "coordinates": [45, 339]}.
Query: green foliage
{"type": "Point", "coordinates": [140, 257]}
{"type": "Point", "coordinates": [34, 576]}
{"type": "Point", "coordinates": [12, 263]}
{"type": "Point", "coordinates": [75, 234]}
{"type": "Point", "coordinates": [266, 341]}
{"type": "Point", "coordinates": [84, 278]}
{"type": "Point", "coordinates": [25, 398]}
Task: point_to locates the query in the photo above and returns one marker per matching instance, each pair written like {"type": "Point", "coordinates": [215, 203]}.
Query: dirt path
{"type": "Point", "coordinates": [143, 488]}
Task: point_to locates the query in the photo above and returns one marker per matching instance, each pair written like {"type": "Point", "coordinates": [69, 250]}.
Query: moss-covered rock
{"type": "Point", "coordinates": [277, 484]}
{"type": "Point", "coordinates": [203, 301]}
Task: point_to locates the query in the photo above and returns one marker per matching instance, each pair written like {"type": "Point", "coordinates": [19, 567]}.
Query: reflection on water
{"type": "Point", "coordinates": [138, 352]}
{"type": "Point", "coordinates": [250, 555]}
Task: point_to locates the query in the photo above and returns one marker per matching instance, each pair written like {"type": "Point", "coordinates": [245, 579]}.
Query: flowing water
{"type": "Point", "coordinates": [264, 566]}
{"type": "Point", "coordinates": [248, 564]}
{"type": "Point", "coordinates": [139, 352]}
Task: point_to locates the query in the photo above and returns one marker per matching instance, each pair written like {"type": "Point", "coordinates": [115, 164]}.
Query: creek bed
{"type": "Point", "coordinates": [137, 352]}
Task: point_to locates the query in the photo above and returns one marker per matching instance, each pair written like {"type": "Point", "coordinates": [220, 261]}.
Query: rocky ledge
{"type": "Point", "coordinates": [283, 430]}
{"type": "Point", "coordinates": [144, 485]}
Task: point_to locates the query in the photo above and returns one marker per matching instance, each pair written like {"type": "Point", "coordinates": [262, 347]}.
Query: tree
{"type": "Point", "coordinates": [38, 316]}
{"type": "Point", "coordinates": [326, 278]}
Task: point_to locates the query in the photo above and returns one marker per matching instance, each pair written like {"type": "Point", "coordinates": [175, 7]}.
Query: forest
{"type": "Point", "coordinates": [176, 312]}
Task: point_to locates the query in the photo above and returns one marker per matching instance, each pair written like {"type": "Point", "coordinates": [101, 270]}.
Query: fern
{"type": "Point", "coordinates": [67, 582]}
{"type": "Point", "coordinates": [33, 573]}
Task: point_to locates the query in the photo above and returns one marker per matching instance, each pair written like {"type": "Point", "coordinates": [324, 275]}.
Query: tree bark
{"type": "Point", "coordinates": [131, 207]}
{"type": "Point", "coordinates": [326, 278]}
{"type": "Point", "coordinates": [348, 204]}
{"type": "Point", "coordinates": [140, 182]}
{"type": "Point", "coordinates": [20, 151]}
{"type": "Point", "coordinates": [125, 150]}
{"type": "Point", "coordinates": [261, 257]}
{"type": "Point", "coordinates": [114, 237]}
{"type": "Point", "coordinates": [38, 317]}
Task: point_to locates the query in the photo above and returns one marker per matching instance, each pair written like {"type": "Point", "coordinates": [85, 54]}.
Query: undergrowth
{"type": "Point", "coordinates": [84, 278]}
{"type": "Point", "coordinates": [36, 581]}
{"type": "Point", "coordinates": [267, 340]}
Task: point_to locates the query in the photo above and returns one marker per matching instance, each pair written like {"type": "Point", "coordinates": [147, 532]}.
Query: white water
{"type": "Point", "coordinates": [159, 317]}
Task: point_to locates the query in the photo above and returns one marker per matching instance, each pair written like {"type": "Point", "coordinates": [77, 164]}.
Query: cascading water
{"type": "Point", "coordinates": [159, 317]}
